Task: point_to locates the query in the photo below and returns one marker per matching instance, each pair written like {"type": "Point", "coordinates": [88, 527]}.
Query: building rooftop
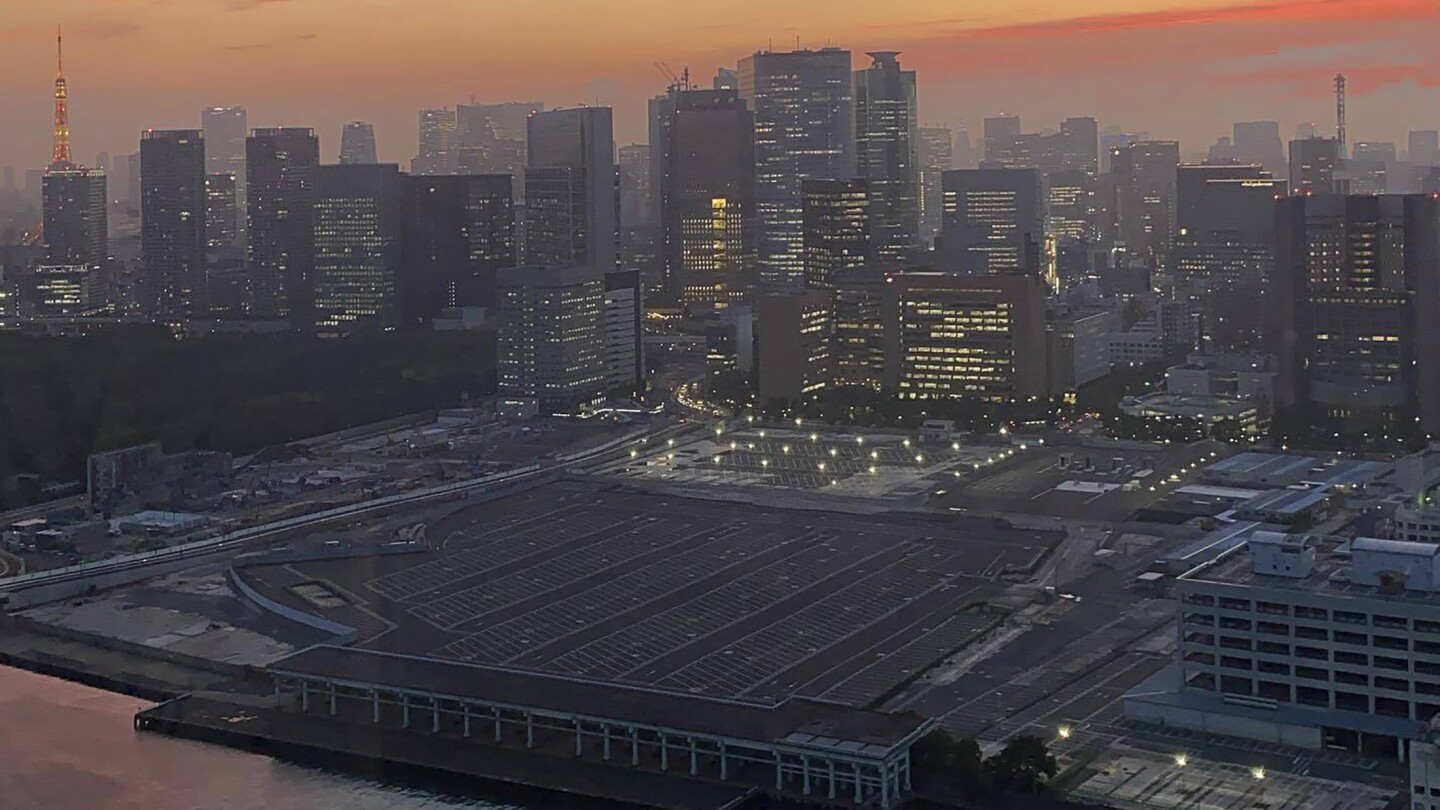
{"type": "Point", "coordinates": [1194, 406]}
{"type": "Point", "coordinates": [1331, 575]}
{"type": "Point", "coordinates": [1258, 468]}
{"type": "Point", "coordinates": [1287, 502]}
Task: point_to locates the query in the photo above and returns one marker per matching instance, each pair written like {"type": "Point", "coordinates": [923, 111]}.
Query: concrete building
{"type": "Point", "coordinates": [220, 212]}
{"type": "Point", "coordinates": [859, 338]}
{"type": "Point", "coordinates": [951, 335]}
{"type": "Point", "coordinates": [458, 231]}
{"type": "Point", "coordinates": [281, 163]}
{"type": "Point", "coordinates": [571, 206]}
{"type": "Point", "coordinates": [1259, 142]}
{"type": "Point", "coordinates": [838, 229]}
{"type": "Point", "coordinates": [1078, 346]}
{"type": "Point", "coordinates": [436, 152]}
{"type": "Point", "coordinates": [1207, 411]}
{"type": "Point", "coordinates": [75, 216]}
{"type": "Point", "coordinates": [224, 129]}
{"type": "Point", "coordinates": [357, 247]}
{"type": "Point", "coordinates": [794, 345]}
{"type": "Point", "coordinates": [172, 225]}
{"type": "Point", "coordinates": [705, 150]}
{"type": "Point", "coordinates": [1313, 163]}
{"type": "Point", "coordinates": [804, 108]}
{"type": "Point", "coordinates": [550, 338]}
{"type": "Point", "coordinates": [624, 356]}
{"type": "Point", "coordinates": [1250, 377]}
{"type": "Point", "coordinates": [636, 195]}
{"type": "Point", "coordinates": [888, 156]}
{"type": "Point", "coordinates": [993, 221]}
{"type": "Point", "coordinates": [357, 143]}
{"type": "Point", "coordinates": [60, 290]}
{"type": "Point", "coordinates": [1310, 641]}
{"type": "Point", "coordinates": [1354, 306]}
{"type": "Point", "coordinates": [1424, 148]}
{"type": "Point", "coordinates": [1144, 176]}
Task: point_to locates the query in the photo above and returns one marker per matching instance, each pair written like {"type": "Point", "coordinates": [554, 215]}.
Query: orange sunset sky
{"type": "Point", "coordinates": [1173, 68]}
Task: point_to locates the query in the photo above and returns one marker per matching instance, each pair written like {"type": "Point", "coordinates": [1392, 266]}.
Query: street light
{"type": "Point", "coordinates": [1064, 732]}
{"type": "Point", "coordinates": [1181, 760]}
{"type": "Point", "coordinates": [822, 466]}
{"type": "Point", "coordinates": [1258, 771]}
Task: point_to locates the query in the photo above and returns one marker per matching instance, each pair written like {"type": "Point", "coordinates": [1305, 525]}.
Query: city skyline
{"type": "Point", "coordinates": [1119, 60]}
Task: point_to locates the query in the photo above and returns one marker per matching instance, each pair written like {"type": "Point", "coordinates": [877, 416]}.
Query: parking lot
{"type": "Point", "coordinates": [697, 596]}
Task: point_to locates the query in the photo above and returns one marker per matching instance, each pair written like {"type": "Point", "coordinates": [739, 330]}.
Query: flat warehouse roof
{"type": "Point", "coordinates": [842, 729]}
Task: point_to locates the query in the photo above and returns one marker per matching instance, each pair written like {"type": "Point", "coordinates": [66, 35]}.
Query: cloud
{"type": "Point", "coordinates": [248, 5]}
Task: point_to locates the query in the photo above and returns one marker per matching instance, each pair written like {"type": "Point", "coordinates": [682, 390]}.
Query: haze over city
{"type": "Point", "coordinates": [1177, 69]}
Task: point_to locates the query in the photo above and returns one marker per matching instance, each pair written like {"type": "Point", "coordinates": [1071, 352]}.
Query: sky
{"type": "Point", "coordinates": [1182, 69]}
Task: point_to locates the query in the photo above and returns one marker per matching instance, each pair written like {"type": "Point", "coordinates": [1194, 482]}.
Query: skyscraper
{"type": "Point", "coordinates": [1313, 162]}
{"type": "Point", "coordinates": [937, 156]}
{"type": "Point", "coordinates": [993, 222]}
{"type": "Point", "coordinates": [224, 129]}
{"type": "Point", "coordinates": [1224, 248]}
{"type": "Point", "coordinates": [570, 195]}
{"type": "Point", "coordinates": [220, 216]}
{"type": "Point", "coordinates": [357, 143]}
{"type": "Point", "coordinates": [550, 338]}
{"type": "Point", "coordinates": [635, 193]}
{"type": "Point", "coordinates": [458, 232]}
{"type": "Point", "coordinates": [887, 155]}
{"type": "Point", "coordinates": [1144, 177]}
{"type": "Point", "coordinates": [357, 247]}
{"type": "Point", "coordinates": [1424, 147]}
{"type": "Point", "coordinates": [172, 225]}
{"type": "Point", "coordinates": [838, 227]}
{"type": "Point", "coordinates": [1077, 146]}
{"type": "Point", "coordinates": [1358, 318]}
{"type": "Point", "coordinates": [1001, 133]}
{"type": "Point", "coordinates": [1259, 142]}
{"type": "Point", "coordinates": [804, 110]}
{"type": "Point", "coordinates": [73, 203]}
{"type": "Point", "coordinates": [436, 154]}
{"type": "Point", "coordinates": [281, 163]}
{"type": "Point", "coordinates": [490, 139]}
{"type": "Point", "coordinates": [707, 195]}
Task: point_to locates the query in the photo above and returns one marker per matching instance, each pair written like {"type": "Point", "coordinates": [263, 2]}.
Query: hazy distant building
{"type": "Point", "coordinates": [570, 197]}
{"type": "Point", "coordinates": [1313, 163]}
{"type": "Point", "coordinates": [550, 338]}
{"type": "Point", "coordinates": [1358, 319]}
{"type": "Point", "coordinates": [1424, 148]}
{"type": "Point", "coordinates": [937, 156]}
{"type": "Point", "coordinates": [887, 156]}
{"type": "Point", "coordinates": [490, 139]}
{"type": "Point", "coordinates": [950, 335]}
{"type": "Point", "coordinates": [1259, 142]}
{"type": "Point", "coordinates": [1077, 147]}
{"type": "Point", "coordinates": [357, 143]}
{"type": "Point", "coordinates": [436, 153]}
{"type": "Point", "coordinates": [220, 213]}
{"type": "Point", "coordinates": [1071, 207]}
{"type": "Point", "coordinates": [708, 206]}
{"type": "Point", "coordinates": [635, 192]}
{"type": "Point", "coordinates": [224, 129]}
{"type": "Point", "coordinates": [1002, 134]}
{"type": "Point", "coordinates": [74, 213]}
{"type": "Point", "coordinates": [838, 227]}
{"type": "Point", "coordinates": [458, 231]}
{"type": "Point", "coordinates": [1144, 178]}
{"type": "Point", "coordinates": [172, 225]}
{"type": "Point", "coordinates": [804, 109]}
{"type": "Point", "coordinates": [357, 247]}
{"type": "Point", "coordinates": [281, 163]}
{"type": "Point", "coordinates": [993, 221]}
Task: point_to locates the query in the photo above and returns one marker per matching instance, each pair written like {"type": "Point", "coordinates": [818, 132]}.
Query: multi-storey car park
{"type": "Point", "coordinates": [1310, 641]}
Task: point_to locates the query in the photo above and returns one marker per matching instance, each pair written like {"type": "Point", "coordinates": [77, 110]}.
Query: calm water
{"type": "Point", "coordinates": [66, 746]}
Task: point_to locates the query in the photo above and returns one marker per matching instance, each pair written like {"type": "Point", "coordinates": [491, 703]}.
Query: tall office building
{"type": "Point", "coordinates": [1071, 206]}
{"type": "Point", "coordinates": [949, 335]}
{"type": "Point", "coordinates": [993, 221]}
{"type": "Point", "coordinates": [1313, 163]}
{"type": "Point", "coordinates": [224, 129]}
{"type": "Point", "coordinates": [1259, 142]}
{"type": "Point", "coordinates": [1224, 248]}
{"type": "Point", "coordinates": [804, 110]}
{"type": "Point", "coordinates": [795, 347]}
{"type": "Point", "coordinates": [708, 208]}
{"type": "Point", "coordinates": [570, 195]}
{"type": "Point", "coordinates": [1144, 177]}
{"type": "Point", "coordinates": [458, 232]}
{"type": "Point", "coordinates": [550, 338]}
{"type": "Point", "coordinates": [220, 215]}
{"type": "Point", "coordinates": [1077, 147]}
{"type": "Point", "coordinates": [859, 330]}
{"type": "Point", "coordinates": [1358, 318]}
{"type": "Point", "coordinates": [436, 153]}
{"type": "Point", "coordinates": [635, 193]}
{"type": "Point", "coordinates": [357, 143]}
{"type": "Point", "coordinates": [623, 357]}
{"type": "Point", "coordinates": [888, 155]}
{"type": "Point", "coordinates": [1001, 132]}
{"type": "Point", "coordinates": [838, 228]}
{"type": "Point", "coordinates": [74, 215]}
{"type": "Point", "coordinates": [490, 139]}
{"type": "Point", "coordinates": [357, 247]}
{"type": "Point", "coordinates": [172, 225]}
{"type": "Point", "coordinates": [937, 156]}
{"type": "Point", "coordinates": [281, 163]}
{"type": "Point", "coordinates": [1424, 148]}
